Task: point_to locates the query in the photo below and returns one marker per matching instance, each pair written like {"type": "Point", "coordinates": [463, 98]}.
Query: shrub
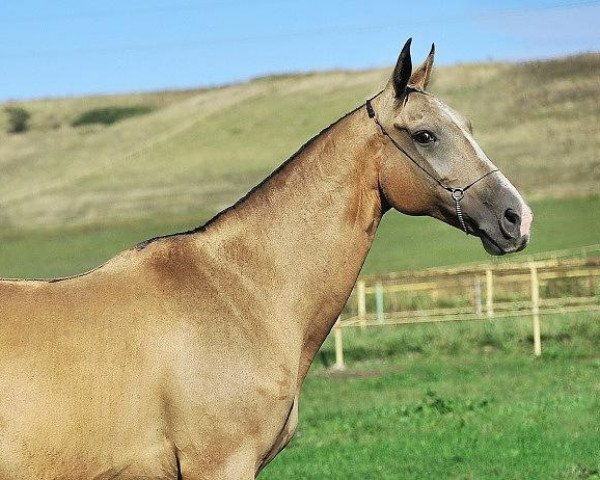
{"type": "Point", "coordinates": [109, 115]}
{"type": "Point", "coordinates": [17, 119]}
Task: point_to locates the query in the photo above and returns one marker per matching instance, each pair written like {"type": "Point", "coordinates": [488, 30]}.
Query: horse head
{"type": "Point", "coordinates": [430, 163]}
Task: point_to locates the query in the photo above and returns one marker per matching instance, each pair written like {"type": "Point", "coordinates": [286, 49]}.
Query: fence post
{"type": "Point", "coordinates": [379, 301]}
{"type": "Point", "coordinates": [477, 287]}
{"type": "Point", "coordinates": [489, 292]}
{"type": "Point", "coordinates": [362, 303]}
{"type": "Point", "coordinates": [339, 346]}
{"type": "Point", "coordinates": [535, 310]}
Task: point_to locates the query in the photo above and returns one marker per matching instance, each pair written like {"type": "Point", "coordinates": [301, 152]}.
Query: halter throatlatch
{"type": "Point", "coordinates": [456, 193]}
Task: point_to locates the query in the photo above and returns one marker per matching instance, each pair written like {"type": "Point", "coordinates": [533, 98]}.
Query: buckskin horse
{"type": "Point", "coordinates": [183, 357]}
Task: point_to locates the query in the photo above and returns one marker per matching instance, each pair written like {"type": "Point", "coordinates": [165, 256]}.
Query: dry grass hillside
{"type": "Point", "coordinates": [199, 150]}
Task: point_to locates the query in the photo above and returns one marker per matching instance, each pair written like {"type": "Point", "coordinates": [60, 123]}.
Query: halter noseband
{"type": "Point", "coordinates": [456, 193]}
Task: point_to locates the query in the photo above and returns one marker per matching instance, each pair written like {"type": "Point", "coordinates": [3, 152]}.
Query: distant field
{"type": "Point", "coordinates": [453, 401]}
{"type": "Point", "coordinates": [200, 150]}
{"type": "Point", "coordinates": [402, 242]}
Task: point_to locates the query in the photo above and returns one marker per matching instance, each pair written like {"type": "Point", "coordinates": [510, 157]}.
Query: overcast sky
{"type": "Point", "coordinates": [74, 47]}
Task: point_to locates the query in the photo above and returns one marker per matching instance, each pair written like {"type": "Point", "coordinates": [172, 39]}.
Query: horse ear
{"type": "Point", "coordinates": [403, 69]}
{"type": "Point", "coordinates": [420, 77]}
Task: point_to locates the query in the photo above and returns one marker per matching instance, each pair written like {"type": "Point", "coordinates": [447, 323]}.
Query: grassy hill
{"type": "Point", "coordinates": [72, 197]}
{"type": "Point", "coordinates": [197, 151]}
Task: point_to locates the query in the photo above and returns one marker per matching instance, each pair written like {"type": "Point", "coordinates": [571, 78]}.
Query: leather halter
{"type": "Point", "coordinates": [457, 193]}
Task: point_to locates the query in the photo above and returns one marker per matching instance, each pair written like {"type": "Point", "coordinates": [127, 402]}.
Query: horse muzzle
{"type": "Point", "coordinates": [506, 229]}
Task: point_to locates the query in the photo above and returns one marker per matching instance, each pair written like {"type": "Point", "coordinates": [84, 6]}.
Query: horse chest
{"type": "Point", "coordinates": [239, 410]}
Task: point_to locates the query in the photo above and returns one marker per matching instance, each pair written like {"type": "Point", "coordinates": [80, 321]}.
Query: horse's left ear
{"type": "Point", "coordinates": [420, 77]}
{"type": "Point", "coordinates": [402, 71]}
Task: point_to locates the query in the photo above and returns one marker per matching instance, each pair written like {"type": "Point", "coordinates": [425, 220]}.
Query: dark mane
{"type": "Point", "coordinates": [201, 228]}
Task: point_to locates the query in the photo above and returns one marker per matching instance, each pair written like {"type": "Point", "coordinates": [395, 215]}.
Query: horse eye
{"type": "Point", "coordinates": [424, 137]}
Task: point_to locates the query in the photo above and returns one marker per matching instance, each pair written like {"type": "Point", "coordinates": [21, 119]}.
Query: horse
{"type": "Point", "coordinates": [183, 356]}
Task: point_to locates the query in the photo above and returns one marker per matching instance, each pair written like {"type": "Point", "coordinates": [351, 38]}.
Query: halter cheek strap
{"type": "Point", "coordinates": [456, 192]}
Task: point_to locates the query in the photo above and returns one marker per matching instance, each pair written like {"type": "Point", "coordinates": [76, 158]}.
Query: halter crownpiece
{"type": "Point", "coordinates": [456, 192]}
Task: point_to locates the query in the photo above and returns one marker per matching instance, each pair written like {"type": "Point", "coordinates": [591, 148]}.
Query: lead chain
{"type": "Point", "coordinates": [457, 195]}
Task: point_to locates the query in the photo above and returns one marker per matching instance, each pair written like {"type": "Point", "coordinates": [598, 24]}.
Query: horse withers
{"type": "Point", "coordinates": [184, 356]}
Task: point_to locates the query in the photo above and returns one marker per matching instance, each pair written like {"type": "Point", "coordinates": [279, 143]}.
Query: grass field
{"type": "Point", "coordinates": [453, 401]}
{"type": "Point", "coordinates": [202, 149]}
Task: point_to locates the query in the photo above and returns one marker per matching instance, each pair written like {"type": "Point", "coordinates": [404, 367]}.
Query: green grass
{"type": "Point", "coordinates": [402, 242]}
{"type": "Point", "coordinates": [455, 401]}
{"type": "Point", "coordinates": [54, 252]}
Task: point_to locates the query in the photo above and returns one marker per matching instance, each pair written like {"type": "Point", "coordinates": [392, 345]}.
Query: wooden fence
{"type": "Point", "coordinates": [556, 282]}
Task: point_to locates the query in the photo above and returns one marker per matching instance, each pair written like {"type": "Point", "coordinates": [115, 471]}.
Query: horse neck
{"type": "Point", "coordinates": [302, 236]}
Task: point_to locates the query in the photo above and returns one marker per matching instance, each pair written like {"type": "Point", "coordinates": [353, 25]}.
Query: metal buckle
{"type": "Point", "coordinates": [458, 194]}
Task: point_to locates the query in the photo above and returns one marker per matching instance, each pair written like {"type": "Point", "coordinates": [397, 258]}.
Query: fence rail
{"type": "Point", "coordinates": [557, 282]}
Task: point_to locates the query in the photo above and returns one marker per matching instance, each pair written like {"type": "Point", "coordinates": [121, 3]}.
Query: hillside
{"type": "Point", "coordinates": [200, 150]}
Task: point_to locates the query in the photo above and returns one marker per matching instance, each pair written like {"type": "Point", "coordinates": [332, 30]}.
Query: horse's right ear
{"type": "Point", "coordinates": [403, 70]}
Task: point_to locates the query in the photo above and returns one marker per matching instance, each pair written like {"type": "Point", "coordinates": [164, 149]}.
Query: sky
{"type": "Point", "coordinates": [76, 47]}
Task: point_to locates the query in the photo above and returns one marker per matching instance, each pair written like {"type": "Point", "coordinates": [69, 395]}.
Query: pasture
{"type": "Point", "coordinates": [456, 401]}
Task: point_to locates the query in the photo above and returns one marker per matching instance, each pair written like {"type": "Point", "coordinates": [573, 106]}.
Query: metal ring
{"type": "Point", "coordinates": [458, 194]}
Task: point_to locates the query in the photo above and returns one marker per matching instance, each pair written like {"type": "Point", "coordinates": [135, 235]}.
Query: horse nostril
{"type": "Point", "coordinates": [511, 216]}
{"type": "Point", "coordinates": [510, 224]}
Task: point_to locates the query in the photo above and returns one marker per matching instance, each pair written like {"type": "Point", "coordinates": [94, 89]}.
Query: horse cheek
{"type": "Point", "coordinates": [405, 191]}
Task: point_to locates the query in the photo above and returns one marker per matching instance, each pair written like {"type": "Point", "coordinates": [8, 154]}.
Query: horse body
{"type": "Point", "coordinates": [184, 357]}
{"type": "Point", "coordinates": [188, 352]}
{"type": "Point", "coordinates": [74, 354]}
{"type": "Point", "coordinates": [138, 383]}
